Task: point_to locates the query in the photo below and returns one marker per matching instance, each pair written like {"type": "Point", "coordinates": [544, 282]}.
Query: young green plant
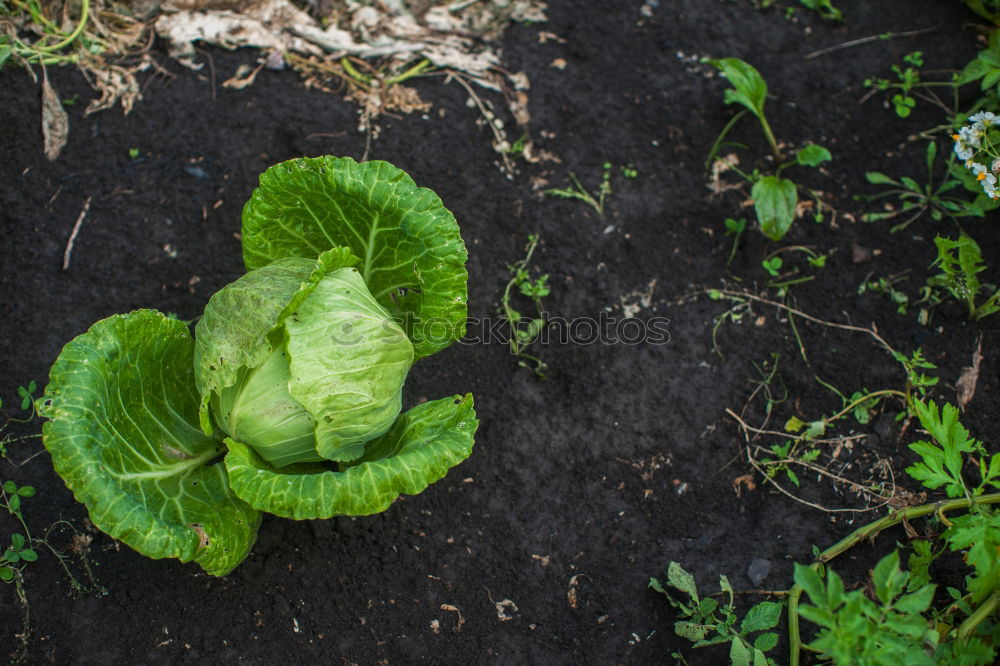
{"type": "Point", "coordinates": [775, 197]}
{"type": "Point", "coordinates": [525, 330]}
{"type": "Point", "coordinates": [596, 199]}
{"type": "Point", "coordinates": [960, 262]}
{"type": "Point", "coordinates": [707, 622]}
{"type": "Point", "coordinates": [916, 200]}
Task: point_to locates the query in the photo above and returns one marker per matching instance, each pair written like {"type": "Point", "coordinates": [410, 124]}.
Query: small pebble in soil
{"type": "Point", "coordinates": [758, 570]}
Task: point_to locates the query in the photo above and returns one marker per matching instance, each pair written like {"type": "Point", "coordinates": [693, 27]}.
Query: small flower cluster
{"type": "Point", "coordinates": [974, 140]}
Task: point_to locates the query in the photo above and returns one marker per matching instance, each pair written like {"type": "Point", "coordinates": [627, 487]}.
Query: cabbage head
{"type": "Point", "coordinates": [288, 399]}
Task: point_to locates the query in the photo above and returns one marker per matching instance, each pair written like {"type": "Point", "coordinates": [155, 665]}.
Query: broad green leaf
{"type": "Point", "coordinates": [691, 631]}
{"type": "Point", "coordinates": [420, 448]}
{"type": "Point", "coordinates": [813, 155]}
{"type": "Point", "coordinates": [6, 574]}
{"type": "Point", "coordinates": [774, 200]}
{"type": "Point", "coordinates": [749, 88]}
{"type": "Point", "coordinates": [765, 641]}
{"type": "Point", "coordinates": [916, 602]}
{"type": "Point", "coordinates": [682, 580]}
{"type": "Point", "coordinates": [237, 330]}
{"type": "Point", "coordinates": [123, 434]}
{"type": "Point", "coordinates": [764, 615]}
{"type": "Point", "coordinates": [28, 555]}
{"type": "Point", "coordinates": [739, 654]}
{"type": "Point", "coordinates": [412, 256]}
{"type": "Point", "coordinates": [889, 580]}
{"type": "Point", "coordinates": [810, 581]}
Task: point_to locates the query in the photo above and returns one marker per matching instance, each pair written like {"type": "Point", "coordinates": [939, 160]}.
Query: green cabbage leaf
{"type": "Point", "coordinates": [420, 448]}
{"type": "Point", "coordinates": [123, 434]}
{"type": "Point", "coordinates": [411, 253]}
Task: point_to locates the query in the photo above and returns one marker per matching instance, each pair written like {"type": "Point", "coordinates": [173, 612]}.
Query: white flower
{"type": "Point", "coordinates": [970, 136]}
{"type": "Point", "coordinates": [983, 119]}
{"type": "Point", "coordinates": [962, 151]}
{"type": "Point", "coordinates": [990, 187]}
{"type": "Point", "coordinates": [980, 171]}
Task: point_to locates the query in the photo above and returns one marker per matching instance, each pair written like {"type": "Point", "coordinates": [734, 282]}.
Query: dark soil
{"type": "Point", "coordinates": [581, 486]}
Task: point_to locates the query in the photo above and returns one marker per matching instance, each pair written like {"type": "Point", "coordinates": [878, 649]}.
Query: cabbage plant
{"type": "Point", "coordinates": [288, 397]}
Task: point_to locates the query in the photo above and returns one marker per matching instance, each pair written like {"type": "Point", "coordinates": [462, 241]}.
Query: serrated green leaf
{"type": "Point", "coordinates": [123, 434]}
{"type": "Point", "coordinates": [764, 615]}
{"type": "Point", "coordinates": [420, 448]}
{"type": "Point", "coordinates": [412, 256]}
{"type": "Point", "coordinates": [774, 202]}
{"type": "Point", "coordinates": [978, 534]}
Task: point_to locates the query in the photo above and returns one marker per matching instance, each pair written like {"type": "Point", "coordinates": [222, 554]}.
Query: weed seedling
{"type": "Point", "coordinates": [887, 286]}
{"type": "Point", "coordinates": [525, 330]}
{"type": "Point", "coordinates": [596, 199]}
{"type": "Point", "coordinates": [775, 198]}
{"type": "Point", "coordinates": [915, 200]}
{"type": "Point", "coordinates": [960, 262]}
{"type": "Point", "coordinates": [734, 228]}
{"type": "Point", "coordinates": [772, 266]}
{"type": "Point", "coordinates": [824, 8]}
{"type": "Point", "coordinates": [707, 622]}
{"type": "Point", "coordinates": [906, 80]}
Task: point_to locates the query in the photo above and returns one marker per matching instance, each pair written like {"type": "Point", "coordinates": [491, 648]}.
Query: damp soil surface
{"type": "Point", "coordinates": [581, 486]}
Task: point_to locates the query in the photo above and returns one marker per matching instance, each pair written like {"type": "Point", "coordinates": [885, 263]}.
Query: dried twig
{"type": "Point", "coordinates": [866, 40]}
{"type": "Point", "coordinates": [72, 235]}
{"type": "Point", "coordinates": [873, 331]}
{"type": "Point", "coordinates": [753, 462]}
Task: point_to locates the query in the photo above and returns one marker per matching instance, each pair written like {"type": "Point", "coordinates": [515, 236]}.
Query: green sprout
{"type": "Point", "coordinates": [775, 198]}
{"type": "Point", "coordinates": [525, 330]}
{"type": "Point", "coordinates": [916, 200]}
{"type": "Point", "coordinates": [578, 191]}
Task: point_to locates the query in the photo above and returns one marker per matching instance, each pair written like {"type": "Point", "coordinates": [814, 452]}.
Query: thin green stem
{"type": "Point", "coordinates": [984, 611]}
{"type": "Point", "coordinates": [84, 9]}
{"type": "Point", "coordinates": [770, 139]}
